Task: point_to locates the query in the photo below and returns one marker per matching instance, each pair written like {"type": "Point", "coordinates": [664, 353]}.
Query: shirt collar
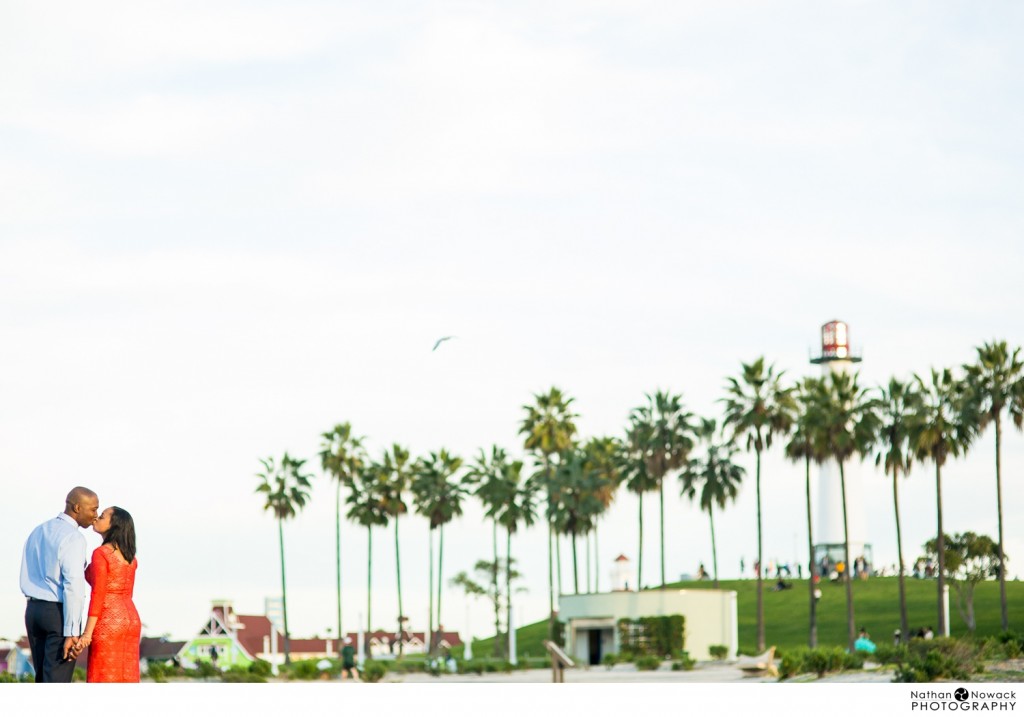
{"type": "Point", "coordinates": [67, 518]}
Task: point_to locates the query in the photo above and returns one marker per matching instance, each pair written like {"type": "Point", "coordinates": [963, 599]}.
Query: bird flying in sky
{"type": "Point", "coordinates": [441, 341]}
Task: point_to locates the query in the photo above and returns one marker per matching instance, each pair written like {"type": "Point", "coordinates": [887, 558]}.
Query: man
{"type": "Point", "coordinates": [348, 660]}
{"type": "Point", "coordinates": [53, 580]}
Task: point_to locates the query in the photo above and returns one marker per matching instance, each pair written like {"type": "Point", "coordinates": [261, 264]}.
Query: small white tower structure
{"type": "Point", "coordinates": [621, 571]}
{"type": "Point", "coordinates": [837, 356]}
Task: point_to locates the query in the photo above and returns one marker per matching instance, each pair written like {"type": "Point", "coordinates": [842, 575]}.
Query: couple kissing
{"type": "Point", "coordinates": [53, 579]}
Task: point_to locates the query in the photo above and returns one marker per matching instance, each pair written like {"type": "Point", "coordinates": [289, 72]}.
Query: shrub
{"type": "Point", "coordinates": [373, 671]}
{"type": "Point", "coordinates": [205, 670]}
{"type": "Point", "coordinates": [261, 668]}
{"type": "Point", "coordinates": [156, 671]}
{"type": "Point", "coordinates": [610, 660]}
{"type": "Point", "coordinates": [7, 677]}
{"type": "Point", "coordinates": [661, 636]}
{"type": "Point", "coordinates": [683, 661]}
{"type": "Point", "coordinates": [895, 655]}
{"type": "Point", "coordinates": [237, 673]}
{"type": "Point", "coordinates": [647, 662]}
{"type": "Point", "coordinates": [78, 675]}
{"type": "Point", "coordinates": [792, 663]}
{"type": "Point", "coordinates": [941, 658]}
{"type": "Point", "coordinates": [718, 652]}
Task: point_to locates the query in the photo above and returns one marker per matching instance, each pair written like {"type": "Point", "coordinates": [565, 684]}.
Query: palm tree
{"type": "Point", "coordinates": [802, 446]}
{"type": "Point", "coordinates": [717, 477]}
{"type": "Point", "coordinates": [637, 478]}
{"type": "Point", "coordinates": [997, 382]}
{"type": "Point", "coordinates": [549, 428]}
{"type": "Point", "coordinates": [519, 509]}
{"type": "Point", "coordinates": [489, 476]}
{"type": "Point", "coordinates": [577, 504]}
{"type": "Point", "coordinates": [665, 428]}
{"type": "Point", "coordinates": [341, 457]}
{"type": "Point", "coordinates": [604, 458]}
{"type": "Point", "coordinates": [368, 507]}
{"type": "Point", "coordinates": [897, 403]}
{"type": "Point", "coordinates": [943, 426]}
{"type": "Point", "coordinates": [287, 491]}
{"type": "Point", "coordinates": [439, 499]}
{"type": "Point", "coordinates": [398, 471]}
{"type": "Point", "coordinates": [846, 425]}
{"type": "Point", "coordinates": [758, 407]}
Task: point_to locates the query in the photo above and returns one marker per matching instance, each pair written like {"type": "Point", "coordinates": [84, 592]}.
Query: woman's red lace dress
{"type": "Point", "coordinates": [114, 652]}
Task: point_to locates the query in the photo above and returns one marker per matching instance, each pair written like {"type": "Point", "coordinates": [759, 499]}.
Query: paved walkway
{"type": "Point", "coordinates": [708, 672]}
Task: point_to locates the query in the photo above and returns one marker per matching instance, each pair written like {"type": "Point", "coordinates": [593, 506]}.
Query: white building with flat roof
{"type": "Point", "coordinates": [592, 619]}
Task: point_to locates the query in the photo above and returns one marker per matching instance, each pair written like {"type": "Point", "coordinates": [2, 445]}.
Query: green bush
{"type": "Point", "coordinates": [610, 660]}
{"type": "Point", "coordinates": [718, 652]}
{"type": "Point", "coordinates": [792, 663]}
{"type": "Point", "coordinates": [647, 662]}
{"type": "Point", "coordinates": [7, 677]}
{"type": "Point", "coordinates": [79, 675]}
{"type": "Point", "coordinates": [938, 659]}
{"type": "Point", "coordinates": [683, 661]}
{"type": "Point", "coordinates": [204, 669]}
{"type": "Point", "coordinates": [156, 671]}
{"type": "Point", "coordinates": [661, 636]}
{"type": "Point", "coordinates": [894, 655]}
{"type": "Point", "coordinates": [237, 673]}
{"type": "Point", "coordinates": [373, 671]}
{"type": "Point", "coordinates": [261, 668]}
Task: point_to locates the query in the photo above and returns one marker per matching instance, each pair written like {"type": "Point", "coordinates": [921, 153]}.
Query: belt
{"type": "Point", "coordinates": [52, 602]}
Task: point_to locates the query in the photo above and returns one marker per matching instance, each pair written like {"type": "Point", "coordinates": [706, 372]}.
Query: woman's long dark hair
{"type": "Point", "coordinates": [122, 533]}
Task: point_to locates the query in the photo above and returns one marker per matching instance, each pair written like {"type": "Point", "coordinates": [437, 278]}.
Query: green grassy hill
{"type": "Point", "coordinates": [876, 606]}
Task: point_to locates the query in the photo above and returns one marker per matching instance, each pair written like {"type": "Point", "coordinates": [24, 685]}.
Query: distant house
{"type": "Point", "coordinates": [16, 658]}
{"type": "Point", "coordinates": [242, 639]}
{"type": "Point", "coordinates": [157, 649]}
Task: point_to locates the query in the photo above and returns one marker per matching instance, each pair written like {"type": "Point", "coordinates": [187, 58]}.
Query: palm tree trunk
{"type": "Point", "coordinates": [941, 542]}
{"type": "Point", "coordinates": [714, 549]}
{"type": "Point", "coordinates": [589, 578]}
{"type": "Point", "coordinates": [337, 546]}
{"type": "Point", "coordinates": [369, 592]}
{"type": "Point", "coordinates": [494, 586]}
{"type": "Point", "coordinates": [558, 561]}
{"type": "Point", "coordinates": [661, 510]}
{"type": "Point", "coordinates": [904, 625]}
{"type": "Point", "coordinates": [440, 578]}
{"type": "Point", "coordinates": [597, 563]}
{"type": "Point", "coordinates": [575, 567]}
{"type": "Point", "coordinates": [812, 637]}
{"type": "Point", "coordinates": [551, 576]}
{"type": "Point", "coordinates": [760, 561]}
{"type": "Point", "coordinates": [508, 587]}
{"type": "Point", "coordinates": [851, 631]}
{"type": "Point", "coordinates": [999, 504]}
{"type": "Point", "coordinates": [398, 581]}
{"type": "Point", "coordinates": [284, 594]}
{"type": "Point", "coordinates": [430, 592]}
{"type": "Point", "coordinates": [640, 549]}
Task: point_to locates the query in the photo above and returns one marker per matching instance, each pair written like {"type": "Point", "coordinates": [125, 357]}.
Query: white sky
{"type": "Point", "coordinates": [226, 228]}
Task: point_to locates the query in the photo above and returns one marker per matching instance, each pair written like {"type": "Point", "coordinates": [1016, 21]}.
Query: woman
{"type": "Point", "coordinates": [113, 630]}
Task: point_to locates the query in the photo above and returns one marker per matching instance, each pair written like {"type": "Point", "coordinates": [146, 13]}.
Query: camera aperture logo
{"type": "Point", "coordinates": [963, 700]}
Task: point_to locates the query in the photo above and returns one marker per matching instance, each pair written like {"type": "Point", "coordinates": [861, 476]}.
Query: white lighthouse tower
{"type": "Point", "coordinates": [837, 356]}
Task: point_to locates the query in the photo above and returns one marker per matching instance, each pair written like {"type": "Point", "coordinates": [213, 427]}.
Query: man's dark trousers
{"type": "Point", "coordinates": [44, 622]}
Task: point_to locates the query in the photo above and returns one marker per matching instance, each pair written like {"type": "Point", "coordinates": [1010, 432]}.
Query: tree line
{"type": "Point", "coordinates": [571, 480]}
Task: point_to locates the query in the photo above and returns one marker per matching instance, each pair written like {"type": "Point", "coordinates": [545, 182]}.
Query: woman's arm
{"type": "Point", "coordinates": [98, 573]}
{"type": "Point", "coordinates": [90, 625]}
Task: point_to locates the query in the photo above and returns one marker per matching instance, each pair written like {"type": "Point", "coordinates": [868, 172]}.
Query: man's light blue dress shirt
{"type": "Point", "coordinates": [53, 569]}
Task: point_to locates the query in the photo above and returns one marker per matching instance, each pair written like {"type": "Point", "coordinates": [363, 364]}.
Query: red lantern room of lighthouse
{"type": "Point", "coordinates": [835, 343]}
